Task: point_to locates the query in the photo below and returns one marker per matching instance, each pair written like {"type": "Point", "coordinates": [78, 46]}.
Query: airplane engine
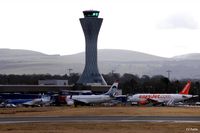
{"type": "Point", "coordinates": [69, 101]}
{"type": "Point", "coordinates": [143, 102]}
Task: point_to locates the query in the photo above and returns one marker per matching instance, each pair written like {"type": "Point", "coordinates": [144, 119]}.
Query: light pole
{"type": "Point", "coordinates": [112, 72]}
{"type": "Point", "coordinates": [168, 72]}
{"type": "Point", "coordinates": [69, 70]}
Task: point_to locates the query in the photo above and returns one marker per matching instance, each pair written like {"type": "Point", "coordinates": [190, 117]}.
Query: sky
{"type": "Point", "coordinates": [164, 28]}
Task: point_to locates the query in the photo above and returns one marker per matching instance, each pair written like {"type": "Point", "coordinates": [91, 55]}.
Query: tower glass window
{"type": "Point", "coordinates": [91, 13]}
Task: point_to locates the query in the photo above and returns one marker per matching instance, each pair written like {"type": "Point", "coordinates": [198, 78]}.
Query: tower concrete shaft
{"type": "Point", "coordinates": [91, 25]}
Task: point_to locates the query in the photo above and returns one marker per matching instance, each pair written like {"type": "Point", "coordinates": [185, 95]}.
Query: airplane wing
{"type": "Point", "coordinates": [155, 101]}
{"type": "Point", "coordinates": [34, 102]}
{"type": "Point", "coordinates": [195, 95]}
{"type": "Point", "coordinates": [81, 101]}
{"type": "Point", "coordinates": [160, 102]}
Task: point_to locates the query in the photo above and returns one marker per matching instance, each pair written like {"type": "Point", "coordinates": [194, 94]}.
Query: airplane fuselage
{"type": "Point", "coordinates": [160, 98]}
{"type": "Point", "coordinates": [92, 98]}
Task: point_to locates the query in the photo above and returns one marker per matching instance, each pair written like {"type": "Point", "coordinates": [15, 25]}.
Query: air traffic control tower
{"type": "Point", "coordinates": [91, 25]}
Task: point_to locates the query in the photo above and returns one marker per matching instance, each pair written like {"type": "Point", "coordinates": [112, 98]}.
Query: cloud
{"type": "Point", "coordinates": [178, 21]}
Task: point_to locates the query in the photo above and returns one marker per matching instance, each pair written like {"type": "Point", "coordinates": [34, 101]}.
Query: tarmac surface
{"type": "Point", "coordinates": [98, 119]}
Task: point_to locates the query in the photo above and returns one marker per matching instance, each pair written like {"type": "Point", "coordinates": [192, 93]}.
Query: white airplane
{"type": "Point", "coordinates": [44, 100]}
{"type": "Point", "coordinates": [162, 99]}
{"type": "Point", "coordinates": [40, 101]}
{"type": "Point", "coordinates": [93, 99]}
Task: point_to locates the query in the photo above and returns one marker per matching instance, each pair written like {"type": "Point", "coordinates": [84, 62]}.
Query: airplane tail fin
{"type": "Point", "coordinates": [186, 88]}
{"type": "Point", "coordinates": [113, 91]}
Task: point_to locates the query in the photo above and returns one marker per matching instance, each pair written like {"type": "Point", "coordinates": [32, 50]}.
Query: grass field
{"type": "Point", "coordinates": [135, 127]}
{"type": "Point", "coordinates": [100, 128]}
{"type": "Point", "coordinates": [81, 111]}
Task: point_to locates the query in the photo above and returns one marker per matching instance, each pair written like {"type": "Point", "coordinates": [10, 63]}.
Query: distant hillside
{"type": "Point", "coordinates": [116, 56]}
{"type": "Point", "coordinates": [126, 56]}
{"type": "Point", "coordinates": [12, 54]}
{"type": "Point", "coordinates": [14, 61]}
{"type": "Point", "coordinates": [193, 56]}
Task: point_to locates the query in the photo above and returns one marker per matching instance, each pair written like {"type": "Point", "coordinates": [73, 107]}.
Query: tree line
{"type": "Point", "coordinates": [132, 84]}
{"type": "Point", "coordinates": [129, 83]}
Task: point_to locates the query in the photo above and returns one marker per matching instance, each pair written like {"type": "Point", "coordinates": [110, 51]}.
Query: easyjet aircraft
{"type": "Point", "coordinates": [162, 99]}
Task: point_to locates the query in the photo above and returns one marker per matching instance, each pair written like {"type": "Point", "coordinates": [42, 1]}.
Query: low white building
{"type": "Point", "coordinates": [53, 82]}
